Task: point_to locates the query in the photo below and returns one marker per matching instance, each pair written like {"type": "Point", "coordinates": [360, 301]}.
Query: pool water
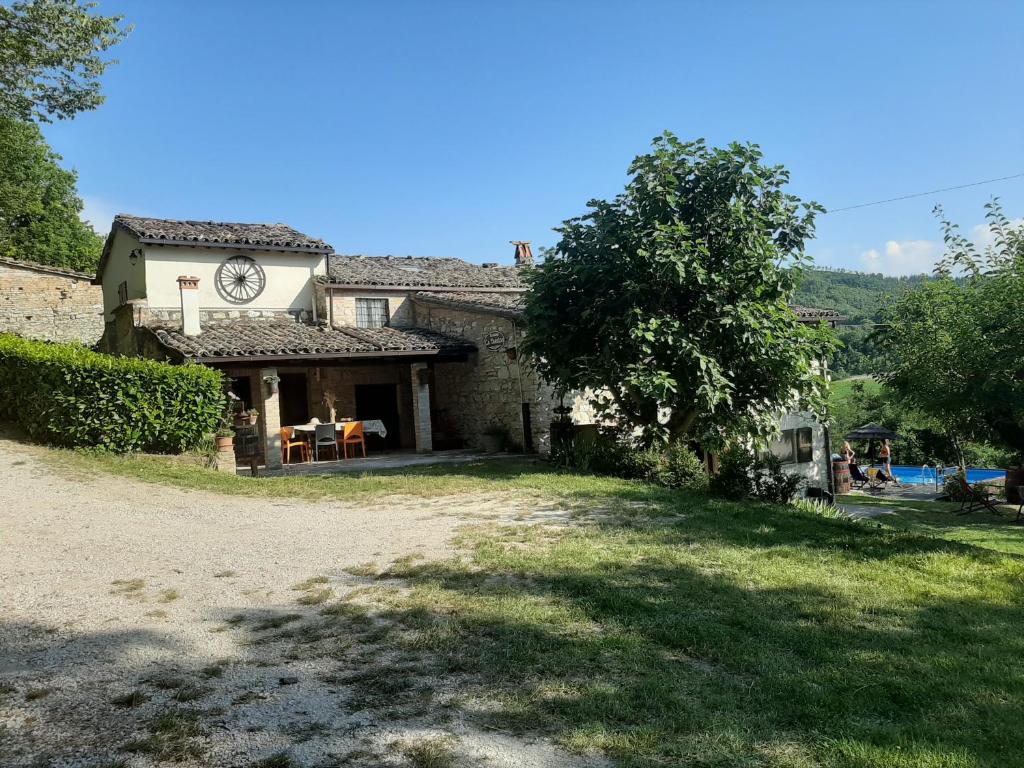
{"type": "Point", "coordinates": [909, 475]}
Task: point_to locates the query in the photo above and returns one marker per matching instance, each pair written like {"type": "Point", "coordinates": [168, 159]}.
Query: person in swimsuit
{"type": "Point", "coordinates": [886, 455]}
{"type": "Point", "coordinates": [847, 453]}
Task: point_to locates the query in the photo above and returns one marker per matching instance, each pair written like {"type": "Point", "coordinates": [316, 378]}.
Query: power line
{"type": "Point", "coordinates": [925, 194]}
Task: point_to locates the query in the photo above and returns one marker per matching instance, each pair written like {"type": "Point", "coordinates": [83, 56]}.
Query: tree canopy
{"type": "Point", "coordinates": [50, 60]}
{"type": "Point", "coordinates": [39, 208]}
{"type": "Point", "coordinates": [673, 298]}
{"type": "Point", "coordinates": [955, 348]}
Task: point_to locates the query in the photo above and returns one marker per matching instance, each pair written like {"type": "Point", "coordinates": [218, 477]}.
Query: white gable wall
{"type": "Point", "coordinates": [119, 269]}
{"type": "Point", "coordinates": [289, 277]}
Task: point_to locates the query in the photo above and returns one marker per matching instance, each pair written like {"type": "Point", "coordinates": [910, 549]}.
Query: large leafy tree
{"type": "Point", "coordinates": [50, 57]}
{"type": "Point", "coordinates": [955, 347]}
{"type": "Point", "coordinates": [39, 208]}
{"type": "Point", "coordinates": [672, 300]}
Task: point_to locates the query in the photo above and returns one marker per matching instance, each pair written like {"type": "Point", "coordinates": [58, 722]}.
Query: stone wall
{"type": "Point", "coordinates": [492, 386]}
{"type": "Point", "coordinates": [401, 313]}
{"type": "Point", "coordinates": [42, 302]}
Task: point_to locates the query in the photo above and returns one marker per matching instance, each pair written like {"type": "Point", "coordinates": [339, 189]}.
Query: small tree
{"type": "Point", "coordinates": [955, 347]}
{"type": "Point", "coordinates": [673, 298]}
{"type": "Point", "coordinates": [49, 57]}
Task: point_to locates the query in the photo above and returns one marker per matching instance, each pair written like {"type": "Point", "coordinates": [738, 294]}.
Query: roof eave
{"type": "Point", "coordinates": [328, 250]}
{"type": "Point", "coordinates": [437, 288]}
{"type": "Point", "coordinates": [423, 353]}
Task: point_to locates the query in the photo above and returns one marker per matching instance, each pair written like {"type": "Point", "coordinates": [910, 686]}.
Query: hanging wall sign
{"type": "Point", "coordinates": [494, 341]}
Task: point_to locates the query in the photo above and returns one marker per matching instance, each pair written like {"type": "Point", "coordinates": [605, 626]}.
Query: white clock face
{"type": "Point", "coordinates": [240, 280]}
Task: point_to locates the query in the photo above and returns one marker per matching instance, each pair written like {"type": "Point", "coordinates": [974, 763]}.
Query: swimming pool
{"type": "Point", "coordinates": [909, 475]}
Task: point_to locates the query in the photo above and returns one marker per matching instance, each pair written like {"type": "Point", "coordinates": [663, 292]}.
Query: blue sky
{"type": "Point", "coordinates": [450, 128]}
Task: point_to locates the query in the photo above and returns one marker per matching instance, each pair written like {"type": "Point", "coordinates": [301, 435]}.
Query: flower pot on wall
{"type": "Point", "coordinates": [225, 442]}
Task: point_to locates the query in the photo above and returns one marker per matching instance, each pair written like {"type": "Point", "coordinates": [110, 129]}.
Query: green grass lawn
{"type": "Point", "coordinates": [682, 630]}
{"type": "Point", "coordinates": [706, 633]}
{"type": "Point", "coordinates": [507, 474]}
{"type": "Point", "coordinates": [840, 389]}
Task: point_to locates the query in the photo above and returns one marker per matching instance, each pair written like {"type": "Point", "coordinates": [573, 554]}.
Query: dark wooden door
{"type": "Point", "coordinates": [379, 401]}
{"type": "Point", "coordinates": [294, 399]}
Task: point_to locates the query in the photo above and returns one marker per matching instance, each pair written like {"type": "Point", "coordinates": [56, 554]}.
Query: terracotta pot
{"type": "Point", "coordinates": [1014, 480]}
{"type": "Point", "coordinates": [225, 443]}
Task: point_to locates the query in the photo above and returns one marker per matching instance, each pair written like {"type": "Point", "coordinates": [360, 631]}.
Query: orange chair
{"type": "Point", "coordinates": [288, 442]}
{"type": "Point", "coordinates": [352, 434]}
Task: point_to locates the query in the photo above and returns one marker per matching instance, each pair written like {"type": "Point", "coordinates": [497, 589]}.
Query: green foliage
{"type": "Point", "coordinates": [675, 297]}
{"type": "Point", "coordinates": [683, 468]}
{"type": "Point", "coordinates": [859, 297]}
{"type": "Point", "coordinates": [955, 349]}
{"type": "Point", "coordinates": [67, 395]}
{"type": "Point", "coordinates": [39, 206]}
{"type": "Point", "coordinates": [744, 475]}
{"type": "Point", "coordinates": [50, 60]}
{"type": "Point", "coordinates": [674, 467]}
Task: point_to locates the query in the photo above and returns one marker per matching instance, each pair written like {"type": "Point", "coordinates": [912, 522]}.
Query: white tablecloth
{"type": "Point", "coordinates": [370, 426]}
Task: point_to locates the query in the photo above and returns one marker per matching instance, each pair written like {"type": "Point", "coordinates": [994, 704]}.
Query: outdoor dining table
{"type": "Point", "coordinates": [370, 427]}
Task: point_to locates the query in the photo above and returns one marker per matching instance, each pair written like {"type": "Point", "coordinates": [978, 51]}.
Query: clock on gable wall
{"type": "Point", "coordinates": [240, 280]}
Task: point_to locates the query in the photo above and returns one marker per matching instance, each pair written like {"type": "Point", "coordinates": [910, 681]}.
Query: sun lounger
{"type": "Point", "coordinates": [975, 498]}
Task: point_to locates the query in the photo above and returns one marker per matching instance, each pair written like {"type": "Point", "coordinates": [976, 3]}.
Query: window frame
{"type": "Point", "coordinates": [787, 438]}
{"type": "Point", "coordinates": [368, 317]}
{"type": "Point", "coordinates": [800, 446]}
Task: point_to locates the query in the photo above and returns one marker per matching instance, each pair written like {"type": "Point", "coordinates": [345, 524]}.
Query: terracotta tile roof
{"type": "Point", "coordinates": [220, 234]}
{"type": "Point", "coordinates": [503, 304]}
{"type": "Point", "coordinates": [421, 272]}
{"type": "Point", "coordinates": [271, 338]}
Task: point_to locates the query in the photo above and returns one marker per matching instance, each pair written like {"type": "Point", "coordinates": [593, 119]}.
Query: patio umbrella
{"type": "Point", "coordinates": [871, 433]}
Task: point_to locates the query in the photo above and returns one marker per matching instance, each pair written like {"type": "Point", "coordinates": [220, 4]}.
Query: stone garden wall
{"type": "Point", "coordinates": [47, 303]}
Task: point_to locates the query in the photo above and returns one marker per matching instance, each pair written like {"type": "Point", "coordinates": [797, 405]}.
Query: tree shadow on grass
{"type": "Point", "coordinates": [684, 643]}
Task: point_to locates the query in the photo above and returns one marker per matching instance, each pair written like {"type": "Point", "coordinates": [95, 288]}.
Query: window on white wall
{"type": "Point", "coordinates": [784, 448]}
{"type": "Point", "coordinates": [795, 446]}
{"type": "Point", "coordinates": [371, 313]}
{"type": "Point", "coordinates": [804, 445]}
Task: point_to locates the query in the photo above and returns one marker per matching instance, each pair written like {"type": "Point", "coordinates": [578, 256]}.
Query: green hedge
{"type": "Point", "coordinates": [67, 395]}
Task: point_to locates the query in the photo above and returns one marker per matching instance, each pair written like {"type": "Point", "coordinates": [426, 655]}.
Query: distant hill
{"type": "Point", "coordinates": [857, 295]}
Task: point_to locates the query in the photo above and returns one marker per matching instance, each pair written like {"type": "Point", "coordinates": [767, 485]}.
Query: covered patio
{"type": "Point", "coordinates": [295, 375]}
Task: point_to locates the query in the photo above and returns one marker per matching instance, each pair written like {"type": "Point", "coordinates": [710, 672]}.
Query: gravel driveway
{"type": "Point", "coordinates": [169, 621]}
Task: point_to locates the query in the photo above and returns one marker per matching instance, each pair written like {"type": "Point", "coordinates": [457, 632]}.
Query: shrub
{"type": "Point", "coordinates": [67, 395]}
{"type": "Point", "coordinates": [735, 478]}
{"type": "Point", "coordinates": [682, 468]}
{"type": "Point", "coordinates": [741, 475]}
{"type": "Point", "coordinates": [678, 467]}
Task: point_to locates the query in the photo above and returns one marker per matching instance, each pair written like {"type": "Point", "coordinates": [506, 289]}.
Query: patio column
{"type": "Point", "coordinates": [421, 407]}
{"type": "Point", "coordinates": [271, 417]}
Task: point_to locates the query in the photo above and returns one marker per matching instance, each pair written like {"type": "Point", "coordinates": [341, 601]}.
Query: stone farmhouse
{"type": "Point", "coordinates": [429, 346]}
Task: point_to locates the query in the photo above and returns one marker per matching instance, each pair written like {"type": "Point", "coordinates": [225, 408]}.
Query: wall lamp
{"type": "Point", "coordinates": [133, 257]}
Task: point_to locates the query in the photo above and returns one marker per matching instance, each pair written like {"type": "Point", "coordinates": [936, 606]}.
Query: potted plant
{"type": "Point", "coordinates": [495, 437]}
{"type": "Point", "coordinates": [254, 415]}
{"type": "Point", "coordinates": [225, 438]}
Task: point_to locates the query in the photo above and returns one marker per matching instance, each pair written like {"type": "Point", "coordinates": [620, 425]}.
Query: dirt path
{"type": "Point", "coordinates": [110, 588]}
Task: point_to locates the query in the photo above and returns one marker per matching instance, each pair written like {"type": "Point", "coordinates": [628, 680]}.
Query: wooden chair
{"type": "Point", "coordinates": [352, 434]}
{"type": "Point", "coordinates": [975, 498]}
{"type": "Point", "coordinates": [325, 437]}
{"type": "Point", "coordinates": [288, 442]}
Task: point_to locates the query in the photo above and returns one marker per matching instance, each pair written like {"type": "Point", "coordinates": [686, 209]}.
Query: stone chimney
{"type": "Point", "coordinates": [524, 254]}
{"type": "Point", "coordinates": [188, 287]}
